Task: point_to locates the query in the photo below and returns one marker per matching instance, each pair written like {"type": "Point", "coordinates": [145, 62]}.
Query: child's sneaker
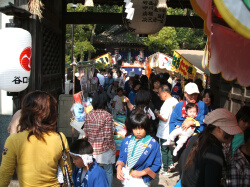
{"type": "Point", "coordinates": [163, 172]}
{"type": "Point", "coordinates": [171, 167]}
{"type": "Point", "coordinates": [167, 142]}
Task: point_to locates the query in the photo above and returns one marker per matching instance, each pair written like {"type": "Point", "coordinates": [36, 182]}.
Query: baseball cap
{"type": "Point", "coordinates": [224, 119]}
{"type": "Point", "coordinates": [191, 88]}
{"type": "Point", "coordinates": [131, 74]}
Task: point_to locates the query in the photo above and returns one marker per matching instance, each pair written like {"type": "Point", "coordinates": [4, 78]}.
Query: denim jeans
{"type": "Point", "coordinates": [108, 168]}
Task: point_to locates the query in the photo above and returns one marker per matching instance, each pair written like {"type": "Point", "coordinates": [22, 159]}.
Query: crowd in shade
{"type": "Point", "coordinates": [167, 119]}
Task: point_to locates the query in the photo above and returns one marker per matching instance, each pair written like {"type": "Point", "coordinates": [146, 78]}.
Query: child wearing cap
{"type": "Point", "coordinates": [191, 111]}
{"type": "Point", "coordinates": [87, 172]}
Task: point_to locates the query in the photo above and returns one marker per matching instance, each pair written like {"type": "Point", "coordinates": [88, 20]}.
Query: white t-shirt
{"type": "Point", "coordinates": [101, 79]}
{"type": "Point", "coordinates": [166, 111]}
{"type": "Point", "coordinates": [118, 104]}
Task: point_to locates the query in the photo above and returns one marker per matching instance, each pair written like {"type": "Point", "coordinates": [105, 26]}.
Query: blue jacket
{"type": "Point", "coordinates": [107, 83]}
{"type": "Point", "coordinates": [150, 159]}
{"type": "Point", "coordinates": [95, 177]}
{"type": "Point", "coordinates": [177, 119]}
{"type": "Point", "coordinates": [131, 97]}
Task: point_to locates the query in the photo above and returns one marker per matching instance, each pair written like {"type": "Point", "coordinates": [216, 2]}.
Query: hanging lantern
{"type": "Point", "coordinates": [15, 58]}
{"type": "Point", "coordinates": [89, 3]}
{"type": "Point", "coordinates": [146, 19]}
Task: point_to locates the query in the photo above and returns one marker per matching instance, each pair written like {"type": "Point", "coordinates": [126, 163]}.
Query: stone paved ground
{"type": "Point", "coordinates": [160, 181]}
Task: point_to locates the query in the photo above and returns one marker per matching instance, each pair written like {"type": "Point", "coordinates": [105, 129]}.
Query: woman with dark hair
{"type": "Point", "coordinates": [177, 91]}
{"type": "Point", "coordinates": [144, 82]}
{"type": "Point", "coordinates": [155, 85]}
{"type": "Point", "coordinates": [136, 86]}
{"type": "Point", "coordinates": [109, 80]}
{"type": "Point", "coordinates": [152, 75]}
{"type": "Point", "coordinates": [208, 98]}
{"type": "Point", "coordinates": [99, 131]}
{"type": "Point", "coordinates": [203, 159]}
{"type": "Point", "coordinates": [36, 150]}
{"type": "Point", "coordinates": [142, 103]}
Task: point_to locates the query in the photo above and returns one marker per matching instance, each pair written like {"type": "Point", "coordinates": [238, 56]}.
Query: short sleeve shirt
{"type": "Point", "coordinates": [166, 111]}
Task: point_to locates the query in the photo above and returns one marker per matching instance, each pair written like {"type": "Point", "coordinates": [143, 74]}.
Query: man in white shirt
{"type": "Point", "coordinates": [163, 128]}
{"type": "Point", "coordinates": [101, 79]}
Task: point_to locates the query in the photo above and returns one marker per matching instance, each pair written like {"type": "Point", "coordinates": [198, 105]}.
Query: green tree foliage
{"type": "Point", "coordinates": [164, 41]}
{"type": "Point", "coordinates": [170, 38]}
{"type": "Point", "coordinates": [82, 33]}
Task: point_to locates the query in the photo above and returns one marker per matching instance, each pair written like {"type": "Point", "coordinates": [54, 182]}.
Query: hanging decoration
{"type": "Point", "coordinates": [160, 60]}
{"type": "Point", "coordinates": [129, 10]}
{"type": "Point", "coordinates": [146, 19]}
{"type": "Point", "coordinates": [35, 7]}
{"type": "Point", "coordinates": [15, 59]}
{"type": "Point", "coordinates": [105, 59]}
{"type": "Point", "coordinates": [227, 50]}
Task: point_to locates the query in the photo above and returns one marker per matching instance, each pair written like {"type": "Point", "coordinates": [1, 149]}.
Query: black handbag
{"type": "Point", "coordinates": [66, 177]}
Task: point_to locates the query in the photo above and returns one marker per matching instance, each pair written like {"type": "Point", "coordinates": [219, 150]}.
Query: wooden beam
{"type": "Point", "coordinates": [116, 19]}
{"type": "Point", "coordinates": [171, 3]}
{"type": "Point", "coordinates": [184, 21]}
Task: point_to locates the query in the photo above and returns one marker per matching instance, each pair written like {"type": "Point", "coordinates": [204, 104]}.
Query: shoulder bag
{"type": "Point", "coordinates": [66, 177]}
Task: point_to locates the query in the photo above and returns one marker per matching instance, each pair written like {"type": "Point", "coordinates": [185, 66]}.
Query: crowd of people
{"type": "Point", "coordinates": [212, 145]}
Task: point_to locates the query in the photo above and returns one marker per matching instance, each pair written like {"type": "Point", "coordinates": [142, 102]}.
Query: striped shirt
{"type": "Point", "coordinates": [99, 131]}
{"type": "Point", "coordinates": [135, 149]}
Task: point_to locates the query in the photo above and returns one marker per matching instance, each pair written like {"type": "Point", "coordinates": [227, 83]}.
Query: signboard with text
{"type": "Point", "coordinates": [185, 68]}
{"type": "Point", "coordinates": [103, 59]}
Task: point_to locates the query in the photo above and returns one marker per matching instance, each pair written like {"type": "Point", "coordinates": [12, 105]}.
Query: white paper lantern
{"type": "Point", "coordinates": [147, 18]}
{"type": "Point", "coordinates": [15, 59]}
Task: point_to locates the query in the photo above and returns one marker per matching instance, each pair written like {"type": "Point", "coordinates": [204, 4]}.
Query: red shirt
{"type": "Point", "coordinates": [99, 131]}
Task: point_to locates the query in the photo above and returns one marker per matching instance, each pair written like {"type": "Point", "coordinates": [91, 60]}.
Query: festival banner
{"type": "Point", "coordinates": [184, 67]}
{"type": "Point", "coordinates": [165, 61]}
{"type": "Point", "coordinates": [103, 59]}
{"type": "Point", "coordinates": [160, 60]}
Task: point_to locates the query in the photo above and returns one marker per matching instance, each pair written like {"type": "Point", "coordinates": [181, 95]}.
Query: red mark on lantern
{"type": "Point", "coordinates": [25, 58]}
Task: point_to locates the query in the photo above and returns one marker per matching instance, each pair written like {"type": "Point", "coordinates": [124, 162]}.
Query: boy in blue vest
{"type": "Point", "coordinates": [87, 173]}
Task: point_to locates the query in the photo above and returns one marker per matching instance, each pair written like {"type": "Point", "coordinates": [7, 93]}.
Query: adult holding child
{"type": "Point", "coordinates": [36, 150]}
{"type": "Point", "coordinates": [191, 93]}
